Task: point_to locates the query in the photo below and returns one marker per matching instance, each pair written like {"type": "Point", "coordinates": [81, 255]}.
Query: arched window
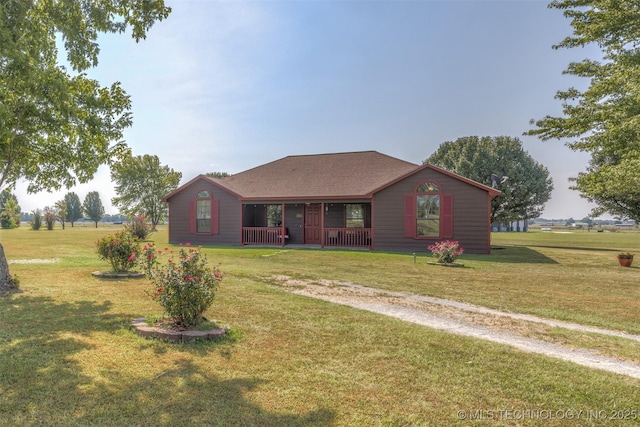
{"type": "Point", "coordinates": [428, 210]}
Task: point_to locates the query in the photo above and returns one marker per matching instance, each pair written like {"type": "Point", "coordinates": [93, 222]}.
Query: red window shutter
{"type": "Point", "coordinates": [215, 216]}
{"type": "Point", "coordinates": [410, 216]}
{"type": "Point", "coordinates": [192, 216]}
{"type": "Point", "coordinates": [446, 211]}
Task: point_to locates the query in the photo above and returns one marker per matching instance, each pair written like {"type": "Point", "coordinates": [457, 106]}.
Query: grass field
{"type": "Point", "coordinates": [68, 357]}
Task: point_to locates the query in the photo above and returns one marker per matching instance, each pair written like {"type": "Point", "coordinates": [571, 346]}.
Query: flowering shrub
{"type": "Point", "coordinates": [446, 251]}
{"type": "Point", "coordinates": [139, 227]}
{"type": "Point", "coordinates": [185, 286]}
{"type": "Point", "coordinates": [120, 250]}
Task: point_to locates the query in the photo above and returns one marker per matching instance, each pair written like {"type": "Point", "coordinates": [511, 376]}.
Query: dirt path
{"type": "Point", "coordinates": [516, 330]}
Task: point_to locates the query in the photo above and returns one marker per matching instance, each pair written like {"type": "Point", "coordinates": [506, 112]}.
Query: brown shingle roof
{"type": "Point", "coordinates": [320, 175]}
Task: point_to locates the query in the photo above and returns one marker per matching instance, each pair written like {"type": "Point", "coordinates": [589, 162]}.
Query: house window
{"type": "Point", "coordinates": [274, 215]}
{"type": "Point", "coordinates": [354, 217]}
{"type": "Point", "coordinates": [428, 210]}
{"type": "Point", "coordinates": [203, 212]}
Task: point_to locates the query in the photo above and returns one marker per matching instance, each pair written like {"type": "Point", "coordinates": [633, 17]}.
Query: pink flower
{"type": "Point", "coordinates": [188, 244]}
{"type": "Point", "coordinates": [132, 257]}
{"type": "Point", "coordinates": [186, 279]}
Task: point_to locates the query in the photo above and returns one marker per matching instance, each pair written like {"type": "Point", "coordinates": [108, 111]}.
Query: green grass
{"type": "Point", "coordinates": [68, 356]}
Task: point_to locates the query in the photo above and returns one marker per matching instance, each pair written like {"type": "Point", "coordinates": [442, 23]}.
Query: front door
{"type": "Point", "coordinates": [312, 223]}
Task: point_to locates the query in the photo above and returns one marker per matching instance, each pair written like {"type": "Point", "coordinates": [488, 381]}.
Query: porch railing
{"type": "Point", "coordinates": [348, 237]}
{"type": "Point", "coordinates": [263, 236]}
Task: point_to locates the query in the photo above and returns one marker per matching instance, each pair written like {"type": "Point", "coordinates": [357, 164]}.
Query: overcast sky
{"type": "Point", "coordinates": [230, 85]}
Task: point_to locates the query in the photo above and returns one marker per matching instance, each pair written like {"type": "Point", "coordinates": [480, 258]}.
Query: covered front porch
{"type": "Point", "coordinates": [328, 224]}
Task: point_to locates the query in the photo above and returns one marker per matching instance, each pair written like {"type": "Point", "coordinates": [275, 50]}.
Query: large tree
{"type": "Point", "coordinates": [525, 184]}
{"type": "Point", "coordinates": [92, 207]}
{"type": "Point", "coordinates": [74, 207]}
{"type": "Point", "coordinates": [58, 126]}
{"type": "Point", "coordinates": [604, 119]}
{"type": "Point", "coordinates": [141, 183]}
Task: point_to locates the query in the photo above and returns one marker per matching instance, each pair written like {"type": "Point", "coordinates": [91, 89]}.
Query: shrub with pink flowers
{"type": "Point", "coordinates": [120, 250]}
{"type": "Point", "coordinates": [446, 251]}
{"type": "Point", "coordinates": [139, 226]}
{"type": "Point", "coordinates": [184, 286]}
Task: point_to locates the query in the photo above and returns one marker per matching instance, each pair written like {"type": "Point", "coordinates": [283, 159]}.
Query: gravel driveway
{"type": "Point", "coordinates": [459, 318]}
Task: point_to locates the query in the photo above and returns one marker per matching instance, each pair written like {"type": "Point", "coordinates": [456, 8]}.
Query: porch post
{"type": "Point", "coordinates": [322, 224]}
{"type": "Point", "coordinates": [371, 226]}
{"type": "Point", "coordinates": [241, 223]}
{"type": "Point", "coordinates": [283, 227]}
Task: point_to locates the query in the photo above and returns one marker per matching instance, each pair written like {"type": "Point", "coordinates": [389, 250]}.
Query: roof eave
{"type": "Point", "coordinates": [303, 198]}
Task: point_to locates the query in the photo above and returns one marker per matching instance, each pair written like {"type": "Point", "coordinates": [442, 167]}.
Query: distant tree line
{"type": "Point", "coordinates": [67, 210]}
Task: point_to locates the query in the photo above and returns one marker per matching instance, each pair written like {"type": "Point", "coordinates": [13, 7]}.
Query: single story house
{"type": "Point", "coordinates": [358, 199]}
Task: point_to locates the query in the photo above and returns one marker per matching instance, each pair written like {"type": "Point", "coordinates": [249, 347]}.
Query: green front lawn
{"type": "Point", "coordinates": [68, 356]}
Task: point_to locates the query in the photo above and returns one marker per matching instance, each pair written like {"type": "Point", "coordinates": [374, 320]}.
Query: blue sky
{"type": "Point", "coordinates": [229, 85]}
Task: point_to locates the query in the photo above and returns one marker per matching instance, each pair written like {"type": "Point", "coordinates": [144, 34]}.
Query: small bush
{"type": "Point", "coordinates": [36, 223]}
{"type": "Point", "coordinates": [139, 227]}
{"type": "Point", "coordinates": [446, 251]}
{"type": "Point", "coordinates": [184, 287]}
{"type": "Point", "coordinates": [120, 250]}
{"type": "Point", "coordinates": [10, 215]}
{"type": "Point", "coordinates": [7, 220]}
{"type": "Point", "coordinates": [49, 217]}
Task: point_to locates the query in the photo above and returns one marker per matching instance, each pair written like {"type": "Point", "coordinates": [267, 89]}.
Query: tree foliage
{"type": "Point", "coordinates": [604, 119]}
{"type": "Point", "coordinates": [10, 213]}
{"type": "Point", "coordinates": [50, 217]}
{"type": "Point", "coordinates": [60, 211]}
{"type": "Point", "coordinates": [9, 210]}
{"type": "Point", "coordinates": [74, 207]}
{"type": "Point", "coordinates": [36, 222]}
{"type": "Point", "coordinates": [56, 127]}
{"type": "Point", "coordinates": [92, 207]}
{"type": "Point", "coordinates": [141, 183]}
{"type": "Point", "coordinates": [527, 186]}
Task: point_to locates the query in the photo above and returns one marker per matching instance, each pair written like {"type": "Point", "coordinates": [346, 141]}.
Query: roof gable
{"type": "Point", "coordinates": [199, 178]}
{"type": "Point", "coordinates": [492, 191]}
{"type": "Point", "coordinates": [354, 174]}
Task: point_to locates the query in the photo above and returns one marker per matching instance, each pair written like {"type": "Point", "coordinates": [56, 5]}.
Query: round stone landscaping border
{"type": "Point", "coordinates": [144, 330]}
{"type": "Point", "coordinates": [132, 275]}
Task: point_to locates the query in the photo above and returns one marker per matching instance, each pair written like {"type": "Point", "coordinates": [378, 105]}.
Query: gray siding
{"type": "Point", "coordinates": [470, 214]}
{"type": "Point", "coordinates": [229, 216]}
